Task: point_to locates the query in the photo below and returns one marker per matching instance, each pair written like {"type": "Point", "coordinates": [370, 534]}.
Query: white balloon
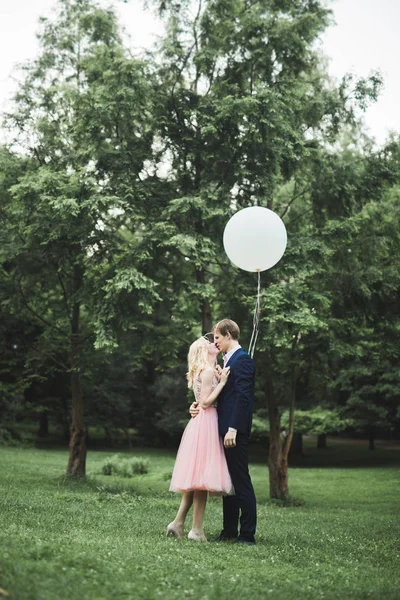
{"type": "Point", "coordinates": [255, 238]}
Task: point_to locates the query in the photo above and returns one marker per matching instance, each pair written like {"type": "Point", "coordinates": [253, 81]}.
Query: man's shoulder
{"type": "Point", "coordinates": [243, 355]}
{"type": "Point", "coordinates": [243, 358]}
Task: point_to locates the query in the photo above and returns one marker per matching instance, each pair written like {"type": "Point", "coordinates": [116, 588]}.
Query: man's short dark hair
{"type": "Point", "coordinates": [228, 326]}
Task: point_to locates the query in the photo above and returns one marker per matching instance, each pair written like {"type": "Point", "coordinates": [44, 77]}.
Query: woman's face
{"type": "Point", "coordinates": [212, 350]}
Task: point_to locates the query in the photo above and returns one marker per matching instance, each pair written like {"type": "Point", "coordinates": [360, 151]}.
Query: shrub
{"type": "Point", "coordinates": [167, 475]}
{"type": "Point", "coordinates": [110, 465]}
{"type": "Point", "coordinates": [125, 467]}
{"type": "Point", "coordinates": [139, 466]}
{"type": "Point", "coordinates": [10, 438]}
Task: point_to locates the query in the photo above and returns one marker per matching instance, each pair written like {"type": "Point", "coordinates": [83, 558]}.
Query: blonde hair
{"type": "Point", "coordinates": [198, 358]}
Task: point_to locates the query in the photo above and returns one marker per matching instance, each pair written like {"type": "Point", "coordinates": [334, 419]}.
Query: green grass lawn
{"type": "Point", "coordinates": [105, 537]}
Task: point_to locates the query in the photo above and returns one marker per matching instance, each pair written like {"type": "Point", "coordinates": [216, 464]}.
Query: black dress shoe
{"type": "Point", "coordinates": [246, 542]}
{"type": "Point", "coordinates": [224, 538]}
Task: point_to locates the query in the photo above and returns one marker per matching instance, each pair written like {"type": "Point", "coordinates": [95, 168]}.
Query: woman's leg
{"type": "Point", "coordinates": [186, 503]}
{"type": "Point", "coordinates": [176, 527]}
{"type": "Point", "coordinates": [199, 507]}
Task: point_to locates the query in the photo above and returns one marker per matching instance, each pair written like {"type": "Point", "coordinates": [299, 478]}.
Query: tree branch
{"type": "Point", "coordinates": [289, 437]}
{"type": "Point", "coordinates": [42, 319]}
{"type": "Point", "coordinates": [295, 197]}
{"type": "Point", "coordinates": [196, 43]}
{"type": "Point", "coordinates": [302, 215]}
{"type": "Point", "coordinates": [64, 291]}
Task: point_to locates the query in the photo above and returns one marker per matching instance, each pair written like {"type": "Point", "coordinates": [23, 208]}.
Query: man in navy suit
{"type": "Point", "coordinates": [235, 410]}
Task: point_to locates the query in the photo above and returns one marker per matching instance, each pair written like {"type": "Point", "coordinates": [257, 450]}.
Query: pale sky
{"type": "Point", "coordinates": [365, 38]}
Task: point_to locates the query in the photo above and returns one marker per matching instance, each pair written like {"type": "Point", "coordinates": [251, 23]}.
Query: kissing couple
{"type": "Point", "coordinates": [213, 453]}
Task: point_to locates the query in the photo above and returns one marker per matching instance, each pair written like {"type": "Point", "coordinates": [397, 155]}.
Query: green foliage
{"type": "Point", "coordinates": [9, 438]}
{"type": "Point", "coordinates": [260, 428]}
{"type": "Point", "coordinates": [125, 467]}
{"type": "Point", "coordinates": [109, 466]}
{"type": "Point", "coordinates": [68, 208]}
{"type": "Point", "coordinates": [139, 466]}
{"type": "Point", "coordinates": [115, 214]}
{"type": "Point", "coordinates": [65, 262]}
{"type": "Point", "coordinates": [317, 421]}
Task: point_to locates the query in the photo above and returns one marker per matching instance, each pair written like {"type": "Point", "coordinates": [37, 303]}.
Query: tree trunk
{"type": "Point", "coordinates": [206, 318]}
{"type": "Point", "coordinates": [321, 441]}
{"type": "Point", "coordinates": [371, 440]}
{"type": "Point", "coordinates": [65, 419]}
{"type": "Point", "coordinates": [278, 472]}
{"type": "Point", "coordinates": [43, 424]}
{"type": "Point", "coordinates": [128, 437]}
{"type": "Point", "coordinates": [297, 444]}
{"type": "Point", "coordinates": [278, 455]}
{"type": "Point", "coordinates": [77, 445]}
{"type": "Point", "coordinates": [109, 437]}
{"type": "Point", "coordinates": [278, 477]}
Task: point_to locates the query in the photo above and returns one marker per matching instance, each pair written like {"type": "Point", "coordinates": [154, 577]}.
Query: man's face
{"type": "Point", "coordinates": [222, 342]}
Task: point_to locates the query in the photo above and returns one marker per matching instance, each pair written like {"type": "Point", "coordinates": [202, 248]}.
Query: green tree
{"type": "Point", "coordinates": [245, 111]}
{"type": "Point", "coordinates": [319, 421]}
{"type": "Point", "coordinates": [82, 115]}
{"type": "Point", "coordinates": [113, 220]}
{"type": "Point", "coordinates": [366, 313]}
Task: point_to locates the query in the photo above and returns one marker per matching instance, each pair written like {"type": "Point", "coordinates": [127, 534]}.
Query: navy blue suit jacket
{"type": "Point", "coordinates": [236, 401]}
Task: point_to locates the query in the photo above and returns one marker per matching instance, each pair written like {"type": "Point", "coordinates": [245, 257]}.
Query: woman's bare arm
{"type": "Point", "coordinates": [207, 395]}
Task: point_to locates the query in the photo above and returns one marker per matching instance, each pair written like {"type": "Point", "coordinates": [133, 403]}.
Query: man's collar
{"type": "Point", "coordinates": [229, 354]}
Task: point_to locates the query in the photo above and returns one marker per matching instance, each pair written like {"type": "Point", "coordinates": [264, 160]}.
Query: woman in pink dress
{"type": "Point", "coordinates": [200, 465]}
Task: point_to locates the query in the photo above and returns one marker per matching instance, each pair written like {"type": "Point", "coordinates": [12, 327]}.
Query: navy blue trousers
{"type": "Point", "coordinates": [244, 501]}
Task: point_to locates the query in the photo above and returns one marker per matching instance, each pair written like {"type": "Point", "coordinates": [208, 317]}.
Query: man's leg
{"type": "Point", "coordinates": [231, 517]}
{"type": "Point", "coordinates": [238, 464]}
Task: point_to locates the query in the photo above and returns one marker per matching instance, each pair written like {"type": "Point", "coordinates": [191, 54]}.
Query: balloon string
{"type": "Point", "coordinates": [256, 318]}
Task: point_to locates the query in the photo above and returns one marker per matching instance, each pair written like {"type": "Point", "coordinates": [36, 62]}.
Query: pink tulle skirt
{"type": "Point", "coordinates": [200, 463]}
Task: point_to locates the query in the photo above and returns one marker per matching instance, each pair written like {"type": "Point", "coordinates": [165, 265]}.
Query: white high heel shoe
{"type": "Point", "coordinates": [196, 537]}
{"type": "Point", "coordinates": [174, 531]}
